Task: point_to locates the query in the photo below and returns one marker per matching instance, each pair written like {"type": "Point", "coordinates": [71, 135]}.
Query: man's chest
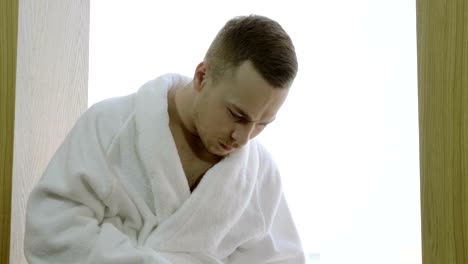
{"type": "Point", "coordinates": [194, 168]}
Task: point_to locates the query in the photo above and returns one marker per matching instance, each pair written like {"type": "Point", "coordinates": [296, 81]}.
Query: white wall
{"type": "Point", "coordinates": [346, 140]}
{"type": "Point", "coordinates": [51, 92]}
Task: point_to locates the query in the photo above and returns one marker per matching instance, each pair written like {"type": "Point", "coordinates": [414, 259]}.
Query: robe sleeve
{"type": "Point", "coordinates": [65, 216]}
{"type": "Point", "coordinates": [280, 242]}
{"type": "Point", "coordinates": [280, 245]}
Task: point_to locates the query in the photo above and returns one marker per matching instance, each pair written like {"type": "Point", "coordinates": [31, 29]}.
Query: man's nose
{"type": "Point", "coordinates": [241, 133]}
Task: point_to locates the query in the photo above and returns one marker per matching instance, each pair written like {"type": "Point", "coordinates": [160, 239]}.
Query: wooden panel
{"type": "Point", "coordinates": [51, 92]}
{"type": "Point", "coordinates": [442, 27]}
{"type": "Point", "coordinates": [8, 37]}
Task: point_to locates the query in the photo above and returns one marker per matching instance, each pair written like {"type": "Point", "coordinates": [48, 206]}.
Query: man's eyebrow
{"type": "Point", "coordinates": [246, 116]}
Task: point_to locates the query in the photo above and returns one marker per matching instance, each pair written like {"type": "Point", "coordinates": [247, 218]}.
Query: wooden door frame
{"type": "Point", "coordinates": [8, 47]}
{"type": "Point", "coordinates": [442, 34]}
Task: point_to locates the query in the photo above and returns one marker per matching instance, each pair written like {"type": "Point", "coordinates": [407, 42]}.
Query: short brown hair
{"type": "Point", "coordinates": [257, 39]}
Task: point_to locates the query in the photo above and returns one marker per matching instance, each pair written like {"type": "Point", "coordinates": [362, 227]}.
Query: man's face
{"type": "Point", "coordinates": [235, 109]}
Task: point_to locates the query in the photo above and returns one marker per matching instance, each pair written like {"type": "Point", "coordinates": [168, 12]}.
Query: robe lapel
{"type": "Point", "coordinates": [213, 208]}
{"type": "Point", "coordinates": [157, 148]}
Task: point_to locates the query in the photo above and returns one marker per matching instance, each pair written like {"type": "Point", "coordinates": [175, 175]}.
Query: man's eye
{"type": "Point", "coordinates": [238, 117]}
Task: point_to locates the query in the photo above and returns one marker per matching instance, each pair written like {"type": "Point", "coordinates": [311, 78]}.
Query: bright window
{"type": "Point", "coordinates": [346, 140]}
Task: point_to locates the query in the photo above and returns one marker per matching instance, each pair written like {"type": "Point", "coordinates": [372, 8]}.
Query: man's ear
{"type": "Point", "coordinates": [200, 76]}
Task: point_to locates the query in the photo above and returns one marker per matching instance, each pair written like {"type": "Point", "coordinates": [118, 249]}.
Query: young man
{"type": "Point", "coordinates": [171, 174]}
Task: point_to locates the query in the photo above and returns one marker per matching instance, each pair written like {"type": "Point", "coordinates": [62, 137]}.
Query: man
{"type": "Point", "coordinates": [171, 174]}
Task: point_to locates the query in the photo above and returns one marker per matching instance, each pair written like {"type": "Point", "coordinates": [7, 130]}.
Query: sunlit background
{"type": "Point", "coordinates": [346, 140]}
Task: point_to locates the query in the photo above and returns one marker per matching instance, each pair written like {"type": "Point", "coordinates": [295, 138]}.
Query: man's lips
{"type": "Point", "coordinates": [226, 147]}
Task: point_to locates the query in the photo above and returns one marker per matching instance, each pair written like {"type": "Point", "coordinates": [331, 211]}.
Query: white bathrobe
{"type": "Point", "coordinates": [115, 192]}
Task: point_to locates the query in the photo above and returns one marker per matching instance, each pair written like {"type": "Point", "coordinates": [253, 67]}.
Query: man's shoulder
{"type": "Point", "coordinates": [105, 118]}
{"type": "Point", "coordinates": [116, 107]}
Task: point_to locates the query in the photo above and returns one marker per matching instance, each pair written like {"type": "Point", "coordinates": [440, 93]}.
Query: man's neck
{"type": "Point", "coordinates": [179, 106]}
{"type": "Point", "coordinates": [183, 101]}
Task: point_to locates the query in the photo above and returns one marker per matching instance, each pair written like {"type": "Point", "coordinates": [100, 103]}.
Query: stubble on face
{"type": "Point", "coordinates": [208, 133]}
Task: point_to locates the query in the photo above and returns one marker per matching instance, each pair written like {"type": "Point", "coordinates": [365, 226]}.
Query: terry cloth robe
{"type": "Point", "coordinates": [115, 192]}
